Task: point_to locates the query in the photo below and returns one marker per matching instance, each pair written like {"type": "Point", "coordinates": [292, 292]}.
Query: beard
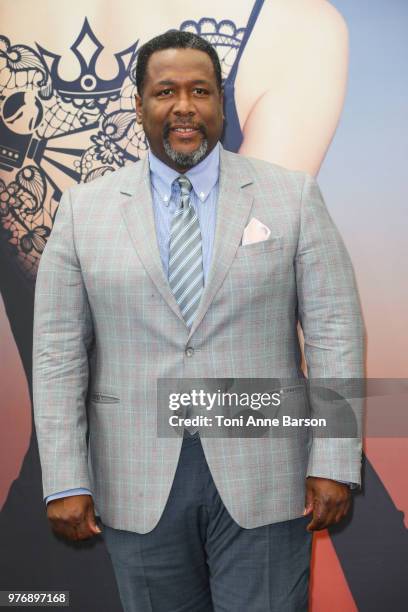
{"type": "Point", "coordinates": [185, 160]}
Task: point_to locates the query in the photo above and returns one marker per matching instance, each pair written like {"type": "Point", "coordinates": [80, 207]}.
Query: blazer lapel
{"type": "Point", "coordinates": [137, 212]}
{"type": "Point", "coordinates": [233, 208]}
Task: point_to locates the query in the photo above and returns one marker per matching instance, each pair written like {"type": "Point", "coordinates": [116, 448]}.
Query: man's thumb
{"type": "Point", "coordinates": [95, 527]}
{"type": "Point", "coordinates": [308, 503]}
{"type": "Point", "coordinates": [92, 523]}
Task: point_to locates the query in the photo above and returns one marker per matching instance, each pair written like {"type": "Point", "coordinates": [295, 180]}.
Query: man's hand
{"type": "Point", "coordinates": [73, 517]}
{"type": "Point", "coordinates": [328, 500]}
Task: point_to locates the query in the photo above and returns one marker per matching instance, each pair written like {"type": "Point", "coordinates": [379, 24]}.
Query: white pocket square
{"type": "Point", "coordinates": [255, 231]}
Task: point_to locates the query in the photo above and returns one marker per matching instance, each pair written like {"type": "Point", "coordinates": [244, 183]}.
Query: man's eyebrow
{"type": "Point", "coordinates": [170, 82]}
{"type": "Point", "coordinates": [164, 82]}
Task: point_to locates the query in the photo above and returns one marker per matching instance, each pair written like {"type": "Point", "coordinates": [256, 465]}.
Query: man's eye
{"type": "Point", "coordinates": [165, 92]}
{"type": "Point", "coordinates": [200, 91]}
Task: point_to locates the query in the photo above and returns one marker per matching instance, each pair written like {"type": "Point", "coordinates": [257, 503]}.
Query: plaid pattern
{"type": "Point", "coordinates": [107, 326]}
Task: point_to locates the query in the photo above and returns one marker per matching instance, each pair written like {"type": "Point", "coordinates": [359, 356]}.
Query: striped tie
{"type": "Point", "coordinates": [186, 277]}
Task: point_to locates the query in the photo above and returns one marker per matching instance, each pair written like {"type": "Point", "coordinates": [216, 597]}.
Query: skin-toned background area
{"type": "Point", "coordinates": [297, 106]}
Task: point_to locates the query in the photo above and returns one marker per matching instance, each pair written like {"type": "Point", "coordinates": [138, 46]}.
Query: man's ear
{"type": "Point", "coordinates": [139, 105]}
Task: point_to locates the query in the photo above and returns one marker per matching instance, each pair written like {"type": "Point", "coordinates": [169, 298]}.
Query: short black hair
{"type": "Point", "coordinates": [174, 39]}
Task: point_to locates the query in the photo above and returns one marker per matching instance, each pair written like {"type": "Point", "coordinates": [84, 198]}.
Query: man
{"type": "Point", "coordinates": [193, 263]}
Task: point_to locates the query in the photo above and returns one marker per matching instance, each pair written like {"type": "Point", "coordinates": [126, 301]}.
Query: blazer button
{"type": "Point", "coordinates": [189, 351]}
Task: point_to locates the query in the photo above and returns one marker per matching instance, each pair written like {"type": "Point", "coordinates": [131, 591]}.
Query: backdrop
{"type": "Point", "coordinates": [313, 86]}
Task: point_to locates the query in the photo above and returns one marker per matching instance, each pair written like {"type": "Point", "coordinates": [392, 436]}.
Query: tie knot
{"type": "Point", "coordinates": [185, 185]}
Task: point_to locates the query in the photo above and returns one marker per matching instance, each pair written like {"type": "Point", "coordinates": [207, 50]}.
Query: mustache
{"type": "Point", "coordinates": [196, 126]}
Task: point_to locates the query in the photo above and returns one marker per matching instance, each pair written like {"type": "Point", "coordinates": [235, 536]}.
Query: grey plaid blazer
{"type": "Point", "coordinates": [107, 327]}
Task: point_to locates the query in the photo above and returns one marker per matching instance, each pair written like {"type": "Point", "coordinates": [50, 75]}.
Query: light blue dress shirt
{"type": "Point", "coordinates": [166, 198]}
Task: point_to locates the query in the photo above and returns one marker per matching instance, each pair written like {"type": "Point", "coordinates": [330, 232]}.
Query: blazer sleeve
{"type": "Point", "coordinates": [330, 316]}
{"type": "Point", "coordinates": [62, 336]}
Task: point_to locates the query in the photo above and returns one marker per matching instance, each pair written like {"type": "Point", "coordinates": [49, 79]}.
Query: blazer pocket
{"type": "Point", "coordinates": [273, 243]}
{"type": "Point", "coordinates": [103, 398]}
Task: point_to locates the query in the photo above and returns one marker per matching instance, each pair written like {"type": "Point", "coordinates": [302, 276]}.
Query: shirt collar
{"type": "Point", "coordinates": [203, 176]}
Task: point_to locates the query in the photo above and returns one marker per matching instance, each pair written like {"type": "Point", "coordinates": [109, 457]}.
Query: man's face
{"type": "Point", "coordinates": [181, 107]}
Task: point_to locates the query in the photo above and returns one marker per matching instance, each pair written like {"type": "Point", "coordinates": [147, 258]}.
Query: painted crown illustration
{"type": "Point", "coordinates": [87, 49]}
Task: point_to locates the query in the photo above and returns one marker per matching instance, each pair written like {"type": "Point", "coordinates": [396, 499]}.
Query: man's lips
{"type": "Point", "coordinates": [183, 129]}
{"type": "Point", "coordinates": [185, 132]}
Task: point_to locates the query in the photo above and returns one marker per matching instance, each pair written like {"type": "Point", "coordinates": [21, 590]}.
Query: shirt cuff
{"type": "Point", "coordinates": [352, 485]}
{"type": "Point", "coordinates": [67, 493]}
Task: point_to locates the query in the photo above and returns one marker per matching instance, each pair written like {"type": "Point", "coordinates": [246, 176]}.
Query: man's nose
{"type": "Point", "coordinates": [184, 105]}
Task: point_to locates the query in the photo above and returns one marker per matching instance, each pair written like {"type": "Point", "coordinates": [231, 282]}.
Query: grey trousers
{"type": "Point", "coordinates": [197, 559]}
